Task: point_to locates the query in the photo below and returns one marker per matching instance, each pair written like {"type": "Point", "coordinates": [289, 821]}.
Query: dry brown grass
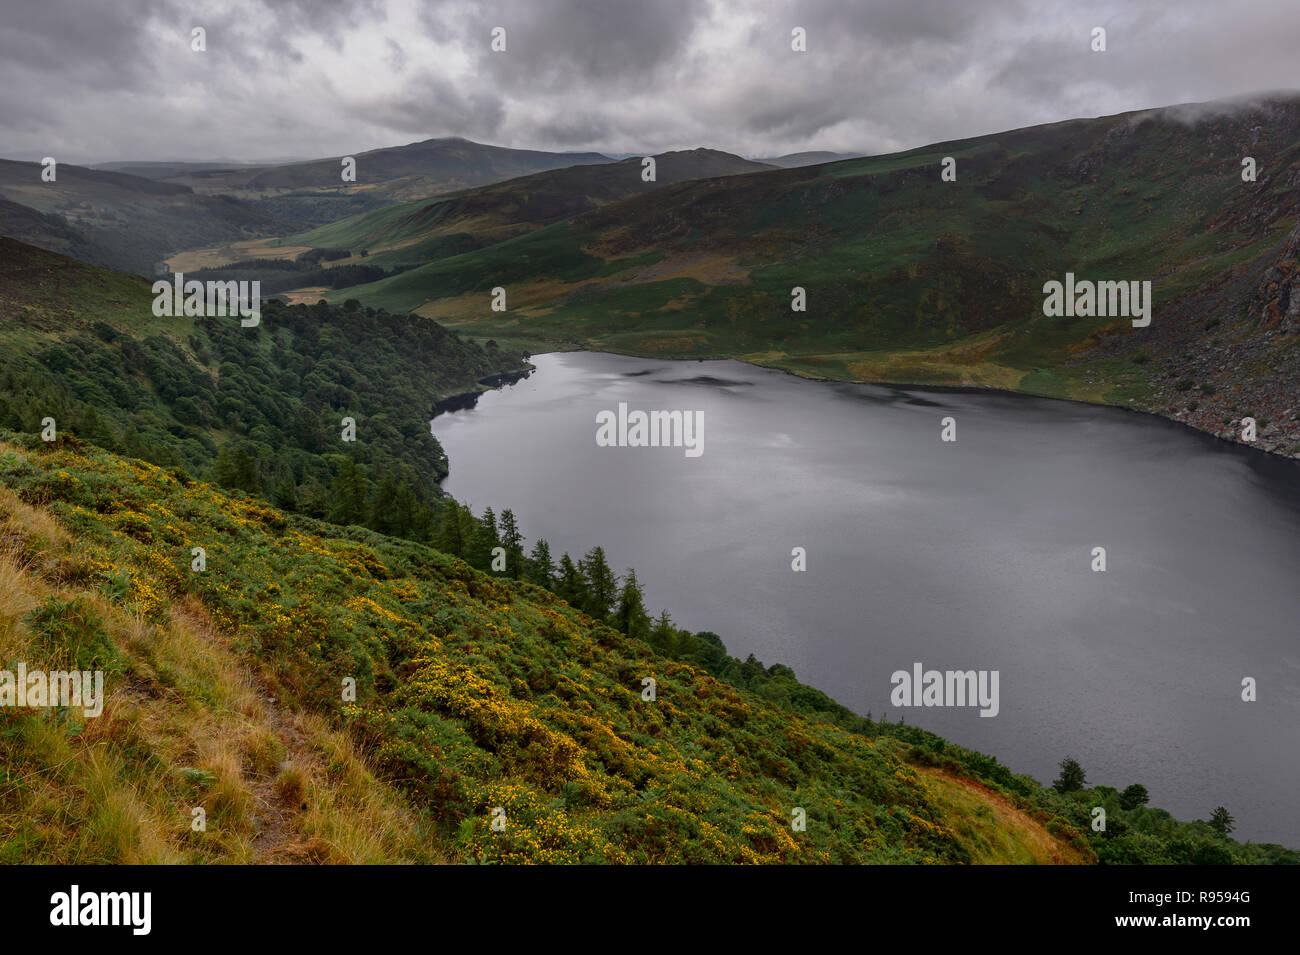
{"type": "Point", "coordinates": [234, 252]}
{"type": "Point", "coordinates": [1000, 832]}
{"type": "Point", "coordinates": [190, 724]}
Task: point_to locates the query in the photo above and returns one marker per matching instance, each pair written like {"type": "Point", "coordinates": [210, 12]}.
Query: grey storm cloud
{"type": "Point", "coordinates": [566, 43]}
{"type": "Point", "coordinates": [92, 43]}
{"type": "Point", "coordinates": [430, 101]}
{"type": "Point", "coordinates": [116, 79]}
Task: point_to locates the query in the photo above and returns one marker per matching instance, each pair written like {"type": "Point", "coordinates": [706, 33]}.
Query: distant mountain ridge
{"type": "Point", "coordinates": [404, 235]}
{"type": "Point", "coordinates": [413, 171]}
{"type": "Point", "coordinates": [118, 220]}
{"type": "Point", "coordinates": [810, 158]}
{"type": "Point", "coordinates": [910, 278]}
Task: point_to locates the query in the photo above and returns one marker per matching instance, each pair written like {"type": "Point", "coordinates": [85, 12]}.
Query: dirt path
{"type": "Point", "coordinates": [277, 793]}
{"type": "Point", "coordinates": [999, 831]}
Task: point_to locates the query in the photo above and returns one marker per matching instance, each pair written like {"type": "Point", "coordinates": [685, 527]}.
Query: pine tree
{"type": "Point", "coordinates": [663, 635]}
{"type": "Point", "coordinates": [1072, 777]}
{"type": "Point", "coordinates": [570, 585]}
{"type": "Point", "coordinates": [451, 535]}
{"type": "Point", "coordinates": [541, 571]}
{"type": "Point", "coordinates": [233, 469]}
{"type": "Point", "coordinates": [348, 493]}
{"type": "Point", "coordinates": [384, 513]}
{"type": "Point", "coordinates": [480, 543]}
{"type": "Point", "coordinates": [285, 496]}
{"type": "Point", "coordinates": [631, 616]}
{"type": "Point", "coordinates": [422, 523]}
{"type": "Point", "coordinates": [1221, 821]}
{"type": "Point", "coordinates": [602, 585]}
{"type": "Point", "coordinates": [314, 501]}
{"type": "Point", "coordinates": [513, 542]}
{"type": "Point", "coordinates": [393, 510]}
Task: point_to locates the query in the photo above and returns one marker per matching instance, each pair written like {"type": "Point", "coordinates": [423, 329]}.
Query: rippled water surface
{"type": "Point", "coordinates": [967, 555]}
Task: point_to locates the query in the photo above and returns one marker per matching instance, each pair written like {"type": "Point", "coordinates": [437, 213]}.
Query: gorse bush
{"type": "Point", "coordinates": [477, 693]}
{"type": "Point", "coordinates": [70, 635]}
{"type": "Point", "coordinates": [485, 698]}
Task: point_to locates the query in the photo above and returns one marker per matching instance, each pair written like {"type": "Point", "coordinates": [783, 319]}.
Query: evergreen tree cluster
{"type": "Point", "coordinates": [261, 410]}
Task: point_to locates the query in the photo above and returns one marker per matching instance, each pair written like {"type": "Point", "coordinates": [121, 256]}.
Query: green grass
{"type": "Point", "coordinates": [896, 263]}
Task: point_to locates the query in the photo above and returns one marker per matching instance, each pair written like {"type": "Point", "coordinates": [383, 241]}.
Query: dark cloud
{"type": "Point", "coordinates": [566, 44]}
{"type": "Point", "coordinates": [92, 43]}
{"type": "Point", "coordinates": [116, 78]}
{"type": "Point", "coordinates": [431, 102]}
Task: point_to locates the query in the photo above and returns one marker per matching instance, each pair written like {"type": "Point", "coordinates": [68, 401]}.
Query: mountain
{"type": "Point", "coordinates": [314, 192]}
{"type": "Point", "coordinates": [396, 172]}
{"type": "Point", "coordinates": [404, 235]}
{"type": "Point", "coordinates": [122, 221]}
{"type": "Point", "coordinates": [913, 279]}
{"type": "Point", "coordinates": [52, 232]}
{"type": "Point", "coordinates": [174, 170]}
{"type": "Point", "coordinates": [811, 158]}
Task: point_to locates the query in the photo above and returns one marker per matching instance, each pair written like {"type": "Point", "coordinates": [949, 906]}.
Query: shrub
{"type": "Point", "coordinates": [70, 633]}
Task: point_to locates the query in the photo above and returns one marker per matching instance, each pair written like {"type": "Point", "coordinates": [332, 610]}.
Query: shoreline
{"type": "Point", "coordinates": [459, 401]}
{"type": "Point", "coordinates": [1012, 762]}
{"type": "Point", "coordinates": [928, 386]}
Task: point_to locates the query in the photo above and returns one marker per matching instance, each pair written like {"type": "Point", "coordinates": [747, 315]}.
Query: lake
{"type": "Point", "coordinates": [974, 554]}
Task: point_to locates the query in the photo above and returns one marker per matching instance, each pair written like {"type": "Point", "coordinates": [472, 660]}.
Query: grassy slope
{"type": "Point", "coordinates": [415, 233]}
{"type": "Point", "coordinates": [910, 279]}
{"type": "Point", "coordinates": [187, 724]}
{"type": "Point", "coordinates": [122, 221]}
{"type": "Point", "coordinates": [473, 693]}
{"type": "Point", "coordinates": [473, 689]}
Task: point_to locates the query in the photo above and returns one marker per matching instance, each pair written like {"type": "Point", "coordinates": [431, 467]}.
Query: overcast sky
{"type": "Point", "coordinates": [93, 80]}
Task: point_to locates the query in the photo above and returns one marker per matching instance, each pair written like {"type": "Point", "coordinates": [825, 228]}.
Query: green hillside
{"type": "Point", "coordinates": [418, 232]}
{"type": "Point", "coordinates": [477, 698]}
{"type": "Point", "coordinates": [259, 409]}
{"type": "Point", "coordinates": [911, 279]}
{"type": "Point", "coordinates": [121, 221]}
{"type": "Point", "coordinates": [393, 238]}
{"type": "Point", "coordinates": [314, 192]}
{"type": "Point", "coordinates": [519, 690]}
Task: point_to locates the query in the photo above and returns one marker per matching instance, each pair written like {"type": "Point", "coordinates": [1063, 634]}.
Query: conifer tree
{"type": "Point", "coordinates": [570, 585]}
{"type": "Point", "coordinates": [602, 584]}
{"type": "Point", "coordinates": [1221, 821]}
{"type": "Point", "coordinates": [485, 537]}
{"type": "Point", "coordinates": [630, 615]}
{"type": "Point", "coordinates": [541, 571]}
{"type": "Point", "coordinates": [348, 493]}
{"type": "Point", "coordinates": [1072, 777]}
{"type": "Point", "coordinates": [513, 542]}
{"type": "Point", "coordinates": [663, 635]}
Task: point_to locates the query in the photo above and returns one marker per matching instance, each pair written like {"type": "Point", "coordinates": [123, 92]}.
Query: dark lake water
{"type": "Point", "coordinates": [975, 554]}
